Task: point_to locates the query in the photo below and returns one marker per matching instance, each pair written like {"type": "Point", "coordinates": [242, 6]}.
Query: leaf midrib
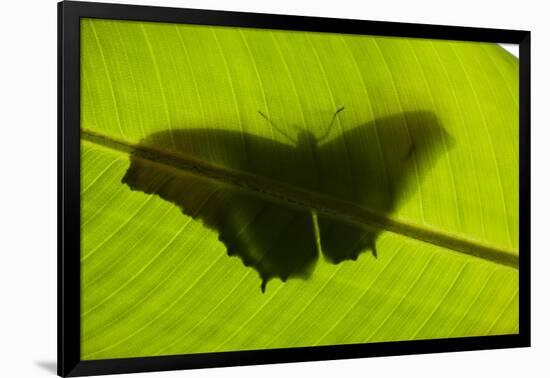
{"type": "Point", "coordinates": [294, 196]}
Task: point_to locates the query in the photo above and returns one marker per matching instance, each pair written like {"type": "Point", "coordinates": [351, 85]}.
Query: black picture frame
{"type": "Point", "coordinates": [69, 14]}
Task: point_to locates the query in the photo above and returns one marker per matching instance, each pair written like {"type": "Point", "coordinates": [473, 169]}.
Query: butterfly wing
{"type": "Point", "coordinates": [376, 166]}
{"type": "Point", "coordinates": [342, 240]}
{"type": "Point", "coordinates": [241, 152]}
{"type": "Point", "coordinates": [275, 239]}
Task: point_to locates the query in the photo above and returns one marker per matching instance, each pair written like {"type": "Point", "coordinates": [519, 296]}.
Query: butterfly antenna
{"type": "Point", "coordinates": [331, 123]}
{"type": "Point", "coordinates": [275, 127]}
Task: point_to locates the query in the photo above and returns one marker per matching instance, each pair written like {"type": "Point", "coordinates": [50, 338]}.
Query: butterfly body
{"type": "Point", "coordinates": [308, 144]}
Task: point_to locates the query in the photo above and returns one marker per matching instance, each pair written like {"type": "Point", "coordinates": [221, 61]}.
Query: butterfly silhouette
{"type": "Point", "coordinates": [375, 165]}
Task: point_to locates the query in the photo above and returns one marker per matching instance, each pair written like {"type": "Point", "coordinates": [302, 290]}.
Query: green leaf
{"type": "Point", "coordinates": [395, 218]}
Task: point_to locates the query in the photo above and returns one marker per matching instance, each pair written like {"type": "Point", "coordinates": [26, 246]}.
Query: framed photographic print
{"type": "Point", "coordinates": [239, 188]}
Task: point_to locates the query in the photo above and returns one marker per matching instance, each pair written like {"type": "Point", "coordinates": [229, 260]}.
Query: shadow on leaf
{"type": "Point", "coordinates": [376, 165]}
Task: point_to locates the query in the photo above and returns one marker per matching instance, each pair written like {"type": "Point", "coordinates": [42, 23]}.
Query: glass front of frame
{"type": "Point", "coordinates": [246, 189]}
